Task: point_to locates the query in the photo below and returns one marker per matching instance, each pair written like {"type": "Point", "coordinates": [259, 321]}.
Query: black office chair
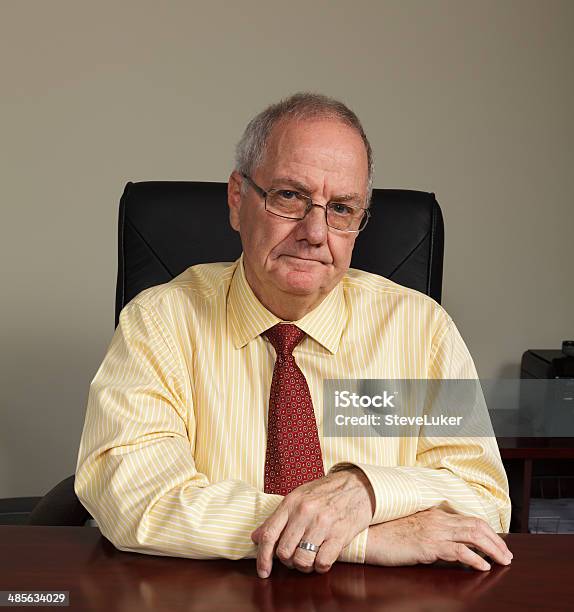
{"type": "Point", "coordinates": [16, 510]}
{"type": "Point", "coordinates": [165, 227]}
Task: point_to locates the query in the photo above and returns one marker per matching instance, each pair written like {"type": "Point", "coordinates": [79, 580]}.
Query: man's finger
{"type": "Point", "coordinates": [474, 534]}
{"type": "Point", "coordinates": [456, 551]}
{"type": "Point", "coordinates": [486, 529]}
{"type": "Point", "coordinates": [289, 540]}
{"type": "Point", "coordinates": [327, 555]}
{"type": "Point", "coordinates": [499, 542]}
{"type": "Point", "coordinates": [304, 560]}
{"type": "Point", "coordinates": [269, 533]}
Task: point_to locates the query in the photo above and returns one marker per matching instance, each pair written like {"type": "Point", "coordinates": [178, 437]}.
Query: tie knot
{"type": "Point", "coordinates": [284, 337]}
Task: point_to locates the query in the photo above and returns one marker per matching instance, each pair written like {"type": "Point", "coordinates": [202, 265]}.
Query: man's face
{"type": "Point", "coordinates": [324, 159]}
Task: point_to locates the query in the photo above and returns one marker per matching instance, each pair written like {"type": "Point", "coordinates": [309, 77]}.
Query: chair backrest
{"type": "Point", "coordinates": [166, 226]}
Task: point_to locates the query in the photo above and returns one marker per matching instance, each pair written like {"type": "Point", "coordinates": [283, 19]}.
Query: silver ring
{"type": "Point", "coordinates": [308, 546]}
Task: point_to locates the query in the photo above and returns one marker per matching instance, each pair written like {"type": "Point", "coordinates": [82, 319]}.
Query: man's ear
{"type": "Point", "coordinates": [234, 198]}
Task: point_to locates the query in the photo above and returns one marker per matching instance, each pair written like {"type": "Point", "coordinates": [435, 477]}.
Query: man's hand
{"type": "Point", "coordinates": [328, 512]}
{"type": "Point", "coordinates": [432, 535]}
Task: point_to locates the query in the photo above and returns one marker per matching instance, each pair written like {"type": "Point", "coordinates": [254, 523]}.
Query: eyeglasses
{"type": "Point", "coordinates": [291, 204]}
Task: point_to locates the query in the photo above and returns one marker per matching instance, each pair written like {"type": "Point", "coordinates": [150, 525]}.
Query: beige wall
{"type": "Point", "coordinates": [470, 99]}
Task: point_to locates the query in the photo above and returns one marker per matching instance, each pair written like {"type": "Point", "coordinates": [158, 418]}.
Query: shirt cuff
{"type": "Point", "coordinates": [356, 549]}
{"type": "Point", "coordinates": [397, 494]}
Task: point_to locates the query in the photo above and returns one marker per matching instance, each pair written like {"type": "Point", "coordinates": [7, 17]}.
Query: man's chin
{"type": "Point", "coordinates": [298, 276]}
{"type": "Point", "coordinates": [301, 282]}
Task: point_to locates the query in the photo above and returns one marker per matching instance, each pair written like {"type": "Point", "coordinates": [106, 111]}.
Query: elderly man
{"type": "Point", "coordinates": [203, 435]}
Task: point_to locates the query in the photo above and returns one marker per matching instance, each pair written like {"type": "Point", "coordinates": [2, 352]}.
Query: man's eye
{"type": "Point", "coordinates": [287, 195]}
{"type": "Point", "coordinates": [341, 209]}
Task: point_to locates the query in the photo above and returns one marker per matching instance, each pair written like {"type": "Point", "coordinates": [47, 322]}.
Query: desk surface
{"type": "Point", "coordinates": [99, 577]}
{"type": "Point", "coordinates": [536, 448]}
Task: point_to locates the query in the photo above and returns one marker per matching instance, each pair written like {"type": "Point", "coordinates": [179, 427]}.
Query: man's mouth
{"type": "Point", "coordinates": [303, 258]}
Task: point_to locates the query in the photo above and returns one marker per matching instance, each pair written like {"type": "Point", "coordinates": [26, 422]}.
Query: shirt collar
{"type": "Point", "coordinates": [247, 318]}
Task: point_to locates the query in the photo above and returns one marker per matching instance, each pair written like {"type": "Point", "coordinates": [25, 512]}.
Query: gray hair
{"type": "Point", "coordinates": [250, 150]}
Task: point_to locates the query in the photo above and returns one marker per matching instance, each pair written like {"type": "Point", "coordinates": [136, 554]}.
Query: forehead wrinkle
{"type": "Point", "coordinates": [280, 145]}
{"type": "Point", "coordinates": [297, 167]}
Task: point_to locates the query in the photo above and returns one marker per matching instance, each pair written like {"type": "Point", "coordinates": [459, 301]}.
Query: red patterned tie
{"type": "Point", "coordinates": [293, 450]}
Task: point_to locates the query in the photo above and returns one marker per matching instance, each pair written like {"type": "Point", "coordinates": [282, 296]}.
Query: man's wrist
{"type": "Point", "coordinates": [368, 486]}
{"type": "Point", "coordinates": [361, 477]}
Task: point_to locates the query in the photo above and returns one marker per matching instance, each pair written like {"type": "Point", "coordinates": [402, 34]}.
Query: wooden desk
{"type": "Point", "coordinates": [99, 577]}
{"type": "Point", "coordinates": [518, 455]}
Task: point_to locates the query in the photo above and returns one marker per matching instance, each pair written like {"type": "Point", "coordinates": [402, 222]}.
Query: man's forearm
{"type": "Point", "coordinates": [174, 510]}
{"type": "Point", "coordinates": [402, 491]}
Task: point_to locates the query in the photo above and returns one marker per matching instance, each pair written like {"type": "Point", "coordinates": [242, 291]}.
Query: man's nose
{"type": "Point", "coordinates": [314, 226]}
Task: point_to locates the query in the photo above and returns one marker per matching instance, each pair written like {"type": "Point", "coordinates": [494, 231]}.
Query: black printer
{"type": "Point", "coordinates": [541, 363]}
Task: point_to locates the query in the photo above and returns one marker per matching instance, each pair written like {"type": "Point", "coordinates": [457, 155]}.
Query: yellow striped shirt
{"type": "Point", "coordinates": [171, 458]}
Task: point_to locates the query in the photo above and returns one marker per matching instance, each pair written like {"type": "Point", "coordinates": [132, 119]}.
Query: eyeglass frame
{"type": "Point", "coordinates": [310, 205]}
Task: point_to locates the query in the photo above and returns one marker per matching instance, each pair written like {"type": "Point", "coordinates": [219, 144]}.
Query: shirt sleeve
{"type": "Point", "coordinates": [458, 474]}
{"type": "Point", "coordinates": [135, 471]}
